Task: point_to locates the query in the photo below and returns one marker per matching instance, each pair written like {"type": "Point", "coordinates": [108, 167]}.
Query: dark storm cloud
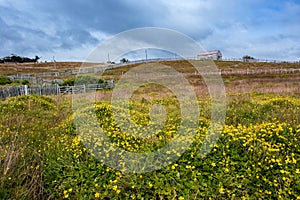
{"type": "Point", "coordinates": [24, 34]}
{"type": "Point", "coordinates": [14, 39]}
{"type": "Point", "coordinates": [73, 28]}
{"type": "Point", "coordinates": [50, 25]}
{"type": "Point", "coordinates": [74, 37]}
{"type": "Point", "coordinates": [108, 16]}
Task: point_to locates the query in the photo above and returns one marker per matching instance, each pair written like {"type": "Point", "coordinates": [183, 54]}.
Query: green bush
{"type": "Point", "coordinates": [25, 82]}
{"type": "Point", "coordinates": [5, 80]}
{"type": "Point", "coordinates": [16, 82]}
{"type": "Point", "coordinates": [69, 82]}
{"type": "Point", "coordinates": [80, 80]}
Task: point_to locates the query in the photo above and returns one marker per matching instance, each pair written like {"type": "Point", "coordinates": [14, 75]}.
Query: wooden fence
{"type": "Point", "coordinates": [38, 77]}
{"type": "Point", "coordinates": [53, 89]}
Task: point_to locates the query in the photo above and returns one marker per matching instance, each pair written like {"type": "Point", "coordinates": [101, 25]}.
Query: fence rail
{"type": "Point", "coordinates": [52, 90]}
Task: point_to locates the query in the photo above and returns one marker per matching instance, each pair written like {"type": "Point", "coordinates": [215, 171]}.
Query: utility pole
{"type": "Point", "coordinates": [146, 54]}
{"type": "Point", "coordinates": [54, 63]}
{"type": "Point", "coordinates": [108, 58]}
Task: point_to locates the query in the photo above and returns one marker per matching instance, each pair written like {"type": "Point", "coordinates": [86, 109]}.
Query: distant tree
{"type": "Point", "coordinates": [36, 58]}
{"type": "Point", "coordinates": [15, 59]}
{"type": "Point", "coordinates": [247, 58]}
{"type": "Point", "coordinates": [124, 60]}
{"type": "Point", "coordinates": [110, 62]}
{"type": "Point", "coordinates": [18, 59]}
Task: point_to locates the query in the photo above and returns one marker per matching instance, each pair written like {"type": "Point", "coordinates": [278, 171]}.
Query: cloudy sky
{"type": "Point", "coordinates": [71, 29]}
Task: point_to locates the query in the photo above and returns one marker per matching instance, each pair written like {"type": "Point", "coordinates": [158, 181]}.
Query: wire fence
{"type": "Point", "coordinates": [260, 60]}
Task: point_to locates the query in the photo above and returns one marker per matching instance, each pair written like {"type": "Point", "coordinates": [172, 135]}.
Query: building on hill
{"type": "Point", "coordinates": [210, 55]}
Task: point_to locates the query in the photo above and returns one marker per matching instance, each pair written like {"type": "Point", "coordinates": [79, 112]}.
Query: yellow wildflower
{"type": "Point", "coordinates": [97, 194]}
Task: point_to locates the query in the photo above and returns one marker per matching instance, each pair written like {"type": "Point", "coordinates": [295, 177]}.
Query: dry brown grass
{"type": "Point", "coordinates": [32, 68]}
{"type": "Point", "coordinates": [265, 78]}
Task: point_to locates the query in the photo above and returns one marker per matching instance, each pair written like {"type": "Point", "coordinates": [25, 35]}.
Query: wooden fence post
{"type": "Point", "coordinates": [26, 89]}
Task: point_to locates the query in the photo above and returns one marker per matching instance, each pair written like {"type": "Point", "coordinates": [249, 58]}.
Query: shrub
{"type": "Point", "coordinates": [25, 82]}
{"type": "Point", "coordinates": [80, 80]}
{"type": "Point", "coordinates": [69, 82]}
{"type": "Point", "coordinates": [5, 80]}
{"type": "Point", "coordinates": [16, 82]}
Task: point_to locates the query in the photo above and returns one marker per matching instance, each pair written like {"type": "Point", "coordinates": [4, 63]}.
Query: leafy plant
{"type": "Point", "coordinates": [5, 80]}
{"type": "Point", "coordinates": [80, 80]}
{"type": "Point", "coordinates": [25, 82]}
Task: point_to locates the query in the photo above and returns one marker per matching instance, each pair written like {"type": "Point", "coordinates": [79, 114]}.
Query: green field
{"type": "Point", "coordinates": [256, 157]}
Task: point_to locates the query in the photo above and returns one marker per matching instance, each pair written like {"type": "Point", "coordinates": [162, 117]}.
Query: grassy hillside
{"type": "Point", "coordinates": [256, 157]}
{"type": "Point", "coordinates": [261, 77]}
{"type": "Point", "coordinates": [32, 68]}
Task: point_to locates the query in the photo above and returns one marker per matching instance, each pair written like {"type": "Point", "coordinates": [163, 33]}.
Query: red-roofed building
{"type": "Point", "coordinates": [210, 55]}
